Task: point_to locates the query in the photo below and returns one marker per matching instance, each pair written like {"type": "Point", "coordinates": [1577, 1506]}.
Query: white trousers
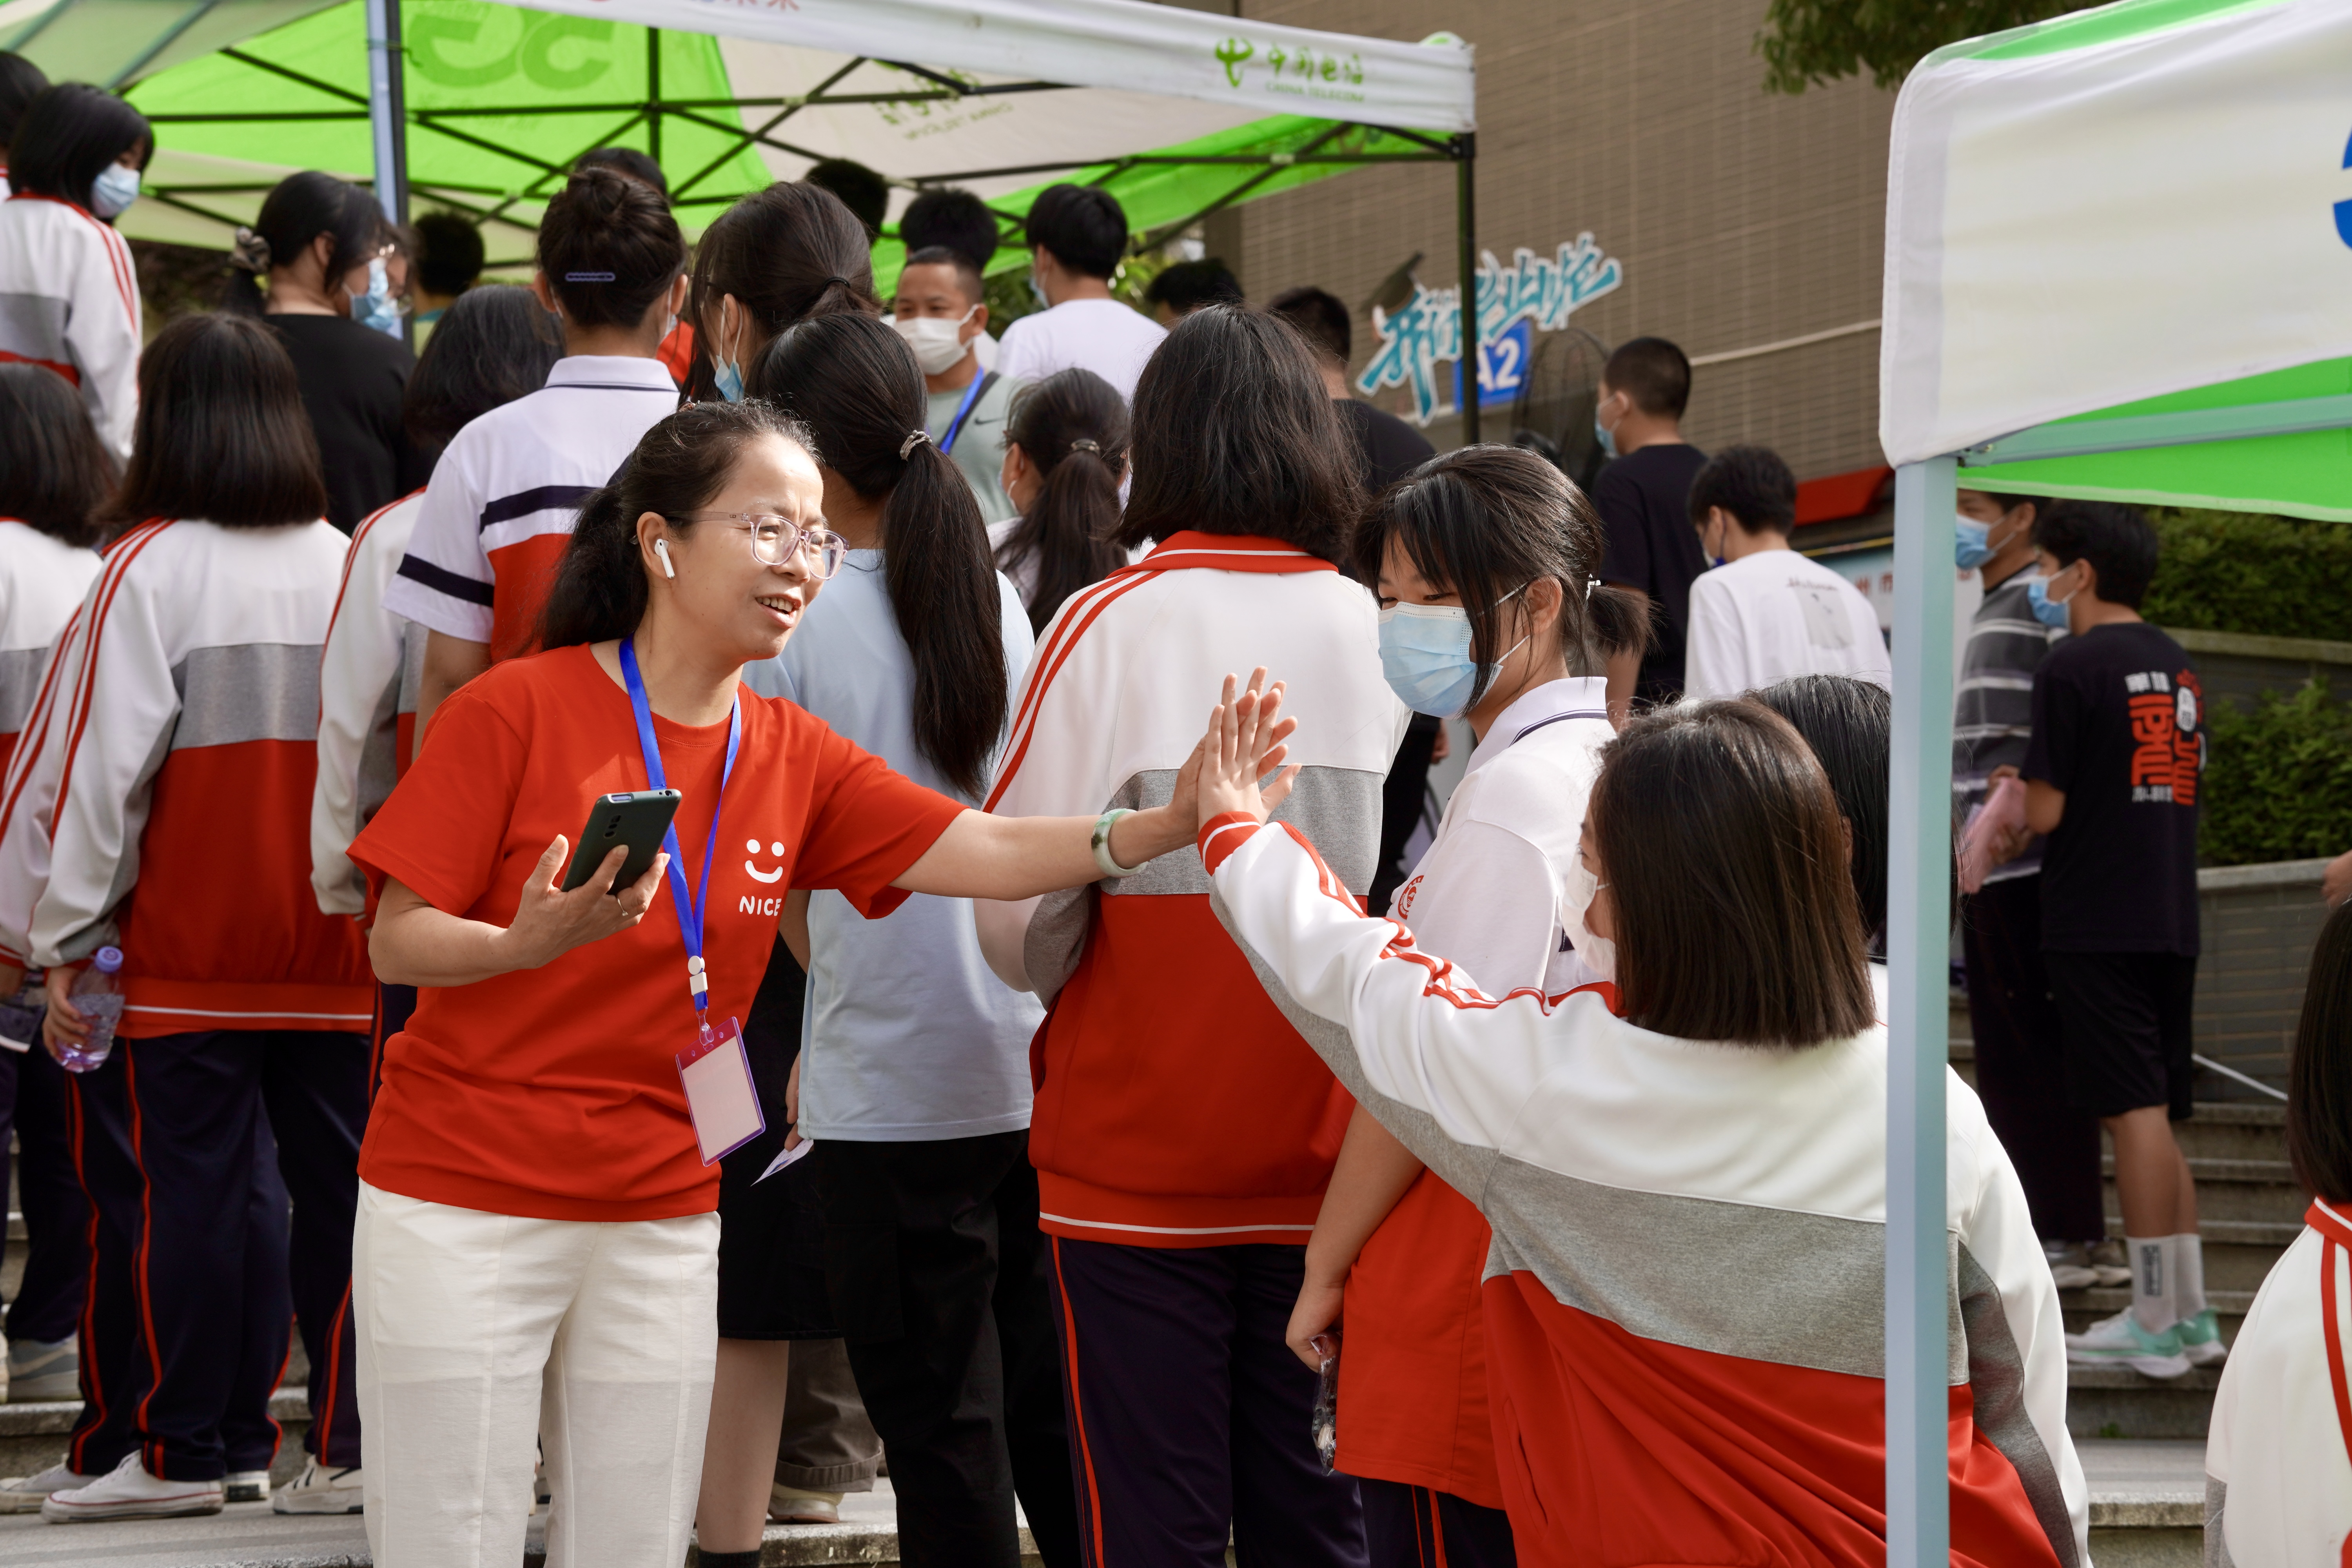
{"type": "Point", "coordinates": [477, 1333]}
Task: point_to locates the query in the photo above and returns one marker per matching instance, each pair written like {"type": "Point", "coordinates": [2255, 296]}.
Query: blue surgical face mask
{"type": "Point", "coordinates": [1972, 542]}
{"type": "Point", "coordinates": [1600, 433]}
{"type": "Point", "coordinates": [2049, 612]}
{"type": "Point", "coordinates": [113, 191]}
{"type": "Point", "coordinates": [729, 380]}
{"type": "Point", "coordinates": [1425, 657]}
{"type": "Point", "coordinates": [1039, 290]}
{"type": "Point", "coordinates": [377, 308]}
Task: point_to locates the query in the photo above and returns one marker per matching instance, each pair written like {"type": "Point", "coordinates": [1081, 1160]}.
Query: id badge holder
{"type": "Point", "coordinates": [719, 1095]}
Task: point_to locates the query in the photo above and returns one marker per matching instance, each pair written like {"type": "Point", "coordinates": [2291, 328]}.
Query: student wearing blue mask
{"type": "Point", "coordinates": [323, 268]}
{"type": "Point", "coordinates": [2053, 1143]}
{"type": "Point", "coordinates": [1641, 497]}
{"type": "Point", "coordinates": [777, 256]}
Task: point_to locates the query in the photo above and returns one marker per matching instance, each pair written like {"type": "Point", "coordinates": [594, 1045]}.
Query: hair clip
{"type": "Point", "coordinates": [915, 438]}
{"type": "Point", "coordinates": [588, 278]}
{"type": "Point", "coordinates": [252, 252]}
{"type": "Point", "coordinates": [1591, 583]}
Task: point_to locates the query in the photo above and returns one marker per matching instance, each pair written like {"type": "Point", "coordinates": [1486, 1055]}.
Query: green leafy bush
{"type": "Point", "coordinates": [2278, 781]}
{"type": "Point", "coordinates": [2240, 572]}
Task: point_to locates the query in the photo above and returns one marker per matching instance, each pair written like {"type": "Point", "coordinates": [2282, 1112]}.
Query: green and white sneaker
{"type": "Point", "coordinates": [2200, 1339]}
{"type": "Point", "coordinates": [2120, 1341]}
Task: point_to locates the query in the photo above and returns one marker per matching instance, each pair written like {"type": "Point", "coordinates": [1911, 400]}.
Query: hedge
{"type": "Point", "coordinates": [2278, 780]}
{"type": "Point", "coordinates": [2240, 571]}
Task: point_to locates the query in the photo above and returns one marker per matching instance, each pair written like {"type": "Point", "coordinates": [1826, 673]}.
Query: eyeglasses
{"type": "Point", "coordinates": [776, 539]}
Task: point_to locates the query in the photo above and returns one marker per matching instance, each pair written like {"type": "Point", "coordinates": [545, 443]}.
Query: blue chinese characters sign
{"type": "Point", "coordinates": [1541, 290]}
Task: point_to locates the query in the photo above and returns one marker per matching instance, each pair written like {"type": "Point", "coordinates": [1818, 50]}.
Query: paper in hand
{"type": "Point", "coordinates": [788, 1157]}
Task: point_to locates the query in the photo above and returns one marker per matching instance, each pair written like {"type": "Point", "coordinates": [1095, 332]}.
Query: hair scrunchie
{"type": "Point", "coordinates": [1086, 444]}
{"type": "Point", "coordinates": [915, 438]}
{"type": "Point", "coordinates": [251, 254]}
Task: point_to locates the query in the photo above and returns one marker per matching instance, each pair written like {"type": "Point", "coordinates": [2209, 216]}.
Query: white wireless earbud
{"type": "Point", "coordinates": [661, 548]}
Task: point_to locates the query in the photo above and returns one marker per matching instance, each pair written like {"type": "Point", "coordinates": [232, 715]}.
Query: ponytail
{"type": "Point", "coordinates": [855, 384]}
{"type": "Point", "coordinates": [788, 253]}
{"type": "Point", "coordinates": [1072, 427]}
{"type": "Point", "coordinates": [599, 593]}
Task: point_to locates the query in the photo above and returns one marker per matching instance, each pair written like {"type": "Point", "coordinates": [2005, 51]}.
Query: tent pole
{"type": "Point", "coordinates": [387, 109]}
{"type": "Point", "coordinates": [653, 93]}
{"type": "Point", "coordinates": [1918, 907]}
{"type": "Point", "coordinates": [1465, 223]}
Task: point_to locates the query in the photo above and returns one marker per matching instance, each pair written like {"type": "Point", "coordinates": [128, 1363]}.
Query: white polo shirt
{"type": "Point", "coordinates": [503, 498]}
{"type": "Point", "coordinates": [1767, 616]}
{"type": "Point", "coordinates": [1487, 894]}
{"type": "Point", "coordinates": [1100, 335]}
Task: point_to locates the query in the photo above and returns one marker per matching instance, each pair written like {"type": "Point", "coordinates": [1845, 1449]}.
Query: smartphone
{"type": "Point", "coordinates": [636, 820]}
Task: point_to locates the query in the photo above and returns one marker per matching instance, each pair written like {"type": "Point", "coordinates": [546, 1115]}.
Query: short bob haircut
{"type": "Point", "coordinates": [55, 473]}
{"type": "Point", "coordinates": [222, 434]}
{"type": "Point", "coordinates": [1850, 725]}
{"type": "Point", "coordinates": [1721, 840]}
{"type": "Point", "coordinates": [67, 137]}
{"type": "Point", "coordinates": [2115, 539]}
{"type": "Point", "coordinates": [1488, 521]}
{"type": "Point", "coordinates": [2319, 1077]}
{"type": "Point", "coordinates": [1234, 433]}
{"type": "Point", "coordinates": [492, 345]}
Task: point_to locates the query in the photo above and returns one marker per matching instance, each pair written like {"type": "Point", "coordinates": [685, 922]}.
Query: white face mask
{"type": "Point", "coordinates": [1600, 954]}
{"type": "Point", "coordinates": [938, 343]}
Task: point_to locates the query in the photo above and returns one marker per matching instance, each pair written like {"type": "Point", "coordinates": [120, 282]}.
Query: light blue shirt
{"type": "Point", "coordinates": [908, 1034]}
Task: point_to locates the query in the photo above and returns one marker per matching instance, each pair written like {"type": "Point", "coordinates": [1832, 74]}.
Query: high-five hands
{"type": "Point", "coordinates": [1243, 744]}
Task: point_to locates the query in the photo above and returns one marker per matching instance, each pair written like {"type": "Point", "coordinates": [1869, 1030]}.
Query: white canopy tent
{"type": "Point", "coordinates": [2118, 264]}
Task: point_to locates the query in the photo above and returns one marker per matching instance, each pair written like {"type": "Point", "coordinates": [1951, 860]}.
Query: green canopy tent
{"type": "Point", "coordinates": [1177, 113]}
{"type": "Point", "coordinates": [2118, 264]}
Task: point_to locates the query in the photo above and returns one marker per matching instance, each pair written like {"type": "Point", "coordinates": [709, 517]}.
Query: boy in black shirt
{"type": "Point", "coordinates": [2112, 777]}
{"type": "Point", "coordinates": [1649, 547]}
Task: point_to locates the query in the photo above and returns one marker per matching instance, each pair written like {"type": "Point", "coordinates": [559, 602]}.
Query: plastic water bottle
{"type": "Point", "coordinates": [97, 998]}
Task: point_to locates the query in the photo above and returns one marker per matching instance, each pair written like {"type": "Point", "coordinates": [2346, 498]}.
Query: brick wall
{"type": "Point", "coordinates": [1742, 218]}
{"type": "Point", "coordinates": [2257, 927]}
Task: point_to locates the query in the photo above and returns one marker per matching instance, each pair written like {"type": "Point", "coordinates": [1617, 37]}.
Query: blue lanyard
{"type": "Point", "coordinates": [955, 426]}
{"type": "Point", "coordinates": [689, 912]}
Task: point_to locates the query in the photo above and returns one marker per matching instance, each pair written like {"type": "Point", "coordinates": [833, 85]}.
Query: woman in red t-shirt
{"type": "Point", "coordinates": [536, 1248]}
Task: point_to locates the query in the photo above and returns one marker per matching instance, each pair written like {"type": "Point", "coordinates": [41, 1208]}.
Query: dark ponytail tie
{"type": "Point", "coordinates": [1083, 444]}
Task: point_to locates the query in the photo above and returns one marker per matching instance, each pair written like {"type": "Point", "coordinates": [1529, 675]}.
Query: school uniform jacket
{"type": "Point", "coordinates": [69, 300]}
{"type": "Point", "coordinates": [159, 799]}
{"type": "Point", "coordinates": [41, 581]}
{"type": "Point", "coordinates": [1175, 1108]}
{"type": "Point", "coordinates": [1684, 1298]}
{"type": "Point", "coordinates": [368, 675]}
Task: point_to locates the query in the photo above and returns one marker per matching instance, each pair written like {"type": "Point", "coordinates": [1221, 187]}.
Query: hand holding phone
{"type": "Point", "coordinates": [635, 821]}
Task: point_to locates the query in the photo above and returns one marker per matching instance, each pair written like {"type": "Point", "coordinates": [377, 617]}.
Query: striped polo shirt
{"type": "Point", "coordinates": [1992, 699]}
{"type": "Point", "coordinates": [503, 498]}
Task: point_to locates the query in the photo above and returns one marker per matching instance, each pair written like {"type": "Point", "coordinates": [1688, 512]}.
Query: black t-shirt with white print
{"type": "Point", "coordinates": [2119, 725]}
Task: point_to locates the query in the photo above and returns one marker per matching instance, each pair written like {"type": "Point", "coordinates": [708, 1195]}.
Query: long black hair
{"type": "Point", "coordinates": [786, 253]}
{"type": "Point", "coordinates": [69, 135]}
{"type": "Point", "coordinates": [1072, 427]}
{"type": "Point", "coordinates": [492, 345]}
{"type": "Point", "coordinates": [1235, 434]}
{"type": "Point", "coordinates": [1850, 725]}
{"type": "Point", "coordinates": [222, 434]}
{"type": "Point", "coordinates": [297, 210]}
{"type": "Point", "coordinates": [1488, 520]}
{"type": "Point", "coordinates": [855, 383]}
{"type": "Point", "coordinates": [2319, 1075]}
{"type": "Point", "coordinates": [599, 592]}
{"type": "Point", "coordinates": [55, 472]}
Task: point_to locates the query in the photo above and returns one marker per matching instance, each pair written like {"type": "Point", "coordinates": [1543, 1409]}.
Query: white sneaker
{"type": "Point", "coordinates": [790, 1505]}
{"type": "Point", "coordinates": [2107, 1261]}
{"type": "Point", "coordinates": [23, 1494]}
{"type": "Point", "coordinates": [319, 1490]}
{"type": "Point", "coordinates": [128, 1491]}
{"type": "Point", "coordinates": [2070, 1265]}
{"type": "Point", "coordinates": [246, 1485]}
{"type": "Point", "coordinates": [2120, 1341]}
{"type": "Point", "coordinates": [39, 1369]}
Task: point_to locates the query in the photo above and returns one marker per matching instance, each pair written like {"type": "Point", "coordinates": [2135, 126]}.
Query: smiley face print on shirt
{"type": "Point", "coordinates": [751, 865]}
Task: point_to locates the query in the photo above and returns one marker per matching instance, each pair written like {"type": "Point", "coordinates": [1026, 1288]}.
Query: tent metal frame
{"type": "Point", "coordinates": [386, 108]}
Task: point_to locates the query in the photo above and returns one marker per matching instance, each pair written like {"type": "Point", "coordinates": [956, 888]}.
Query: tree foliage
{"type": "Point", "coordinates": [1809, 43]}
{"type": "Point", "coordinates": [2278, 780]}
{"type": "Point", "coordinates": [2243, 571]}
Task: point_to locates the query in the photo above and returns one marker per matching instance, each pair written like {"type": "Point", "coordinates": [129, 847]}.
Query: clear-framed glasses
{"type": "Point", "coordinates": [776, 539]}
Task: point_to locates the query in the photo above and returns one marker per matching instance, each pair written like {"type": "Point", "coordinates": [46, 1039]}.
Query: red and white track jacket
{"type": "Point", "coordinates": [1685, 1297]}
{"type": "Point", "coordinates": [69, 300]}
{"type": "Point", "coordinates": [1175, 1108]}
{"type": "Point", "coordinates": [42, 581]}
{"type": "Point", "coordinates": [160, 798]}
{"type": "Point", "coordinates": [367, 678]}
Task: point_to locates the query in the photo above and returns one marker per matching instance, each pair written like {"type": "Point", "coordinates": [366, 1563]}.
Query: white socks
{"type": "Point", "coordinates": [2188, 1273]}
{"type": "Point", "coordinates": [2154, 1303]}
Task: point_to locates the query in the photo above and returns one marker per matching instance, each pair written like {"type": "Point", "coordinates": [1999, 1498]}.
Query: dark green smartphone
{"type": "Point", "coordinates": [635, 821]}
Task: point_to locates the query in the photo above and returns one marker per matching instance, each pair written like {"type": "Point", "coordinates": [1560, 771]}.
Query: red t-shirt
{"type": "Point", "coordinates": [553, 1093]}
